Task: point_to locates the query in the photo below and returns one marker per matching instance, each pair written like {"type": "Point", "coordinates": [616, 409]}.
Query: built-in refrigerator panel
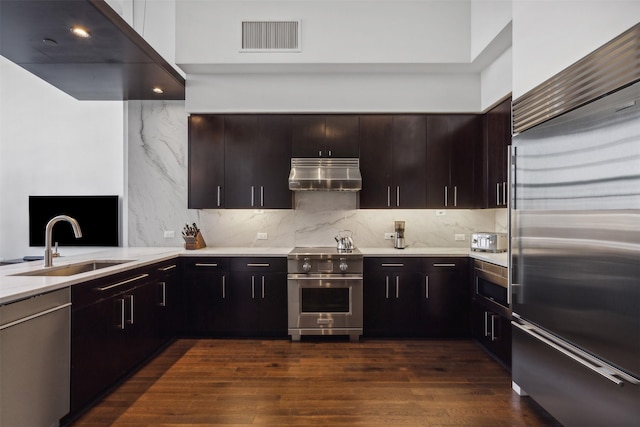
{"type": "Point", "coordinates": [576, 228]}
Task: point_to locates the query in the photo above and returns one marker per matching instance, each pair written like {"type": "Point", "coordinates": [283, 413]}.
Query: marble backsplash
{"type": "Point", "coordinates": [156, 201]}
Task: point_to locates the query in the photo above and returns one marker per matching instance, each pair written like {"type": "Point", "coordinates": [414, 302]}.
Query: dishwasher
{"type": "Point", "coordinates": [35, 344]}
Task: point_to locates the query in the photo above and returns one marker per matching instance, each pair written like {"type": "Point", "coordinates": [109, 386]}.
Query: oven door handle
{"type": "Point", "coordinates": [324, 276]}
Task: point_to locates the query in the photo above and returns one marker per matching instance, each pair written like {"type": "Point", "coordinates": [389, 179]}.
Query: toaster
{"type": "Point", "coordinates": [489, 242]}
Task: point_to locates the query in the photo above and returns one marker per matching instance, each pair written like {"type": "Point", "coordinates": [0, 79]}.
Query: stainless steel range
{"type": "Point", "coordinates": [325, 292]}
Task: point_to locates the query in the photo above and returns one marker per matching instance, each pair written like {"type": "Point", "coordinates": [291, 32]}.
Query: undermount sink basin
{"type": "Point", "coordinates": [72, 269]}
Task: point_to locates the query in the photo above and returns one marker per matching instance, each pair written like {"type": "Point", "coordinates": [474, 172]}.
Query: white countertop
{"type": "Point", "coordinates": [13, 288]}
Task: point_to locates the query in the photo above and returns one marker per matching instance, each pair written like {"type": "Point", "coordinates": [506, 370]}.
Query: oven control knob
{"type": "Point", "coordinates": [306, 267]}
{"type": "Point", "coordinates": [343, 264]}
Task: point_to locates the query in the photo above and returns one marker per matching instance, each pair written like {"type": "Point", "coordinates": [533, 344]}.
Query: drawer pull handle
{"type": "Point", "coordinates": [392, 265]}
{"type": "Point", "coordinates": [257, 265]}
{"type": "Point", "coordinates": [170, 267]}
{"type": "Point", "coordinates": [124, 282]}
{"type": "Point", "coordinates": [205, 264]}
{"type": "Point", "coordinates": [444, 265]}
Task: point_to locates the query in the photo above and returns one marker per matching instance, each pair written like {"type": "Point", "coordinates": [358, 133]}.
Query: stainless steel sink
{"type": "Point", "coordinates": [72, 269]}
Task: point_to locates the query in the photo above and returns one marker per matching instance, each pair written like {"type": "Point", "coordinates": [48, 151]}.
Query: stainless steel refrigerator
{"type": "Point", "coordinates": [575, 266]}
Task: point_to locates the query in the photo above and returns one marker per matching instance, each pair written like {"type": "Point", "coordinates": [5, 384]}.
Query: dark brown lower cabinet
{"type": "Point", "coordinates": [114, 327]}
{"type": "Point", "coordinates": [493, 331]}
{"type": "Point", "coordinates": [444, 311]}
{"type": "Point", "coordinates": [236, 296]}
{"type": "Point", "coordinates": [416, 297]}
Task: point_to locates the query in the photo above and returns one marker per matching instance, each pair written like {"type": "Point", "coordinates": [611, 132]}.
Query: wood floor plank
{"type": "Point", "coordinates": [318, 383]}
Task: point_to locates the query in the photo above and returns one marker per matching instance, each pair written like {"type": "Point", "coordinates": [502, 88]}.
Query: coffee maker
{"type": "Point", "coordinates": [398, 242]}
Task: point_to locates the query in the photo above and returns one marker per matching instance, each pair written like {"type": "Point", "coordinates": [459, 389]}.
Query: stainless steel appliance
{"type": "Point", "coordinates": [325, 174]}
{"type": "Point", "coordinates": [575, 228]}
{"type": "Point", "coordinates": [398, 241]}
{"type": "Point", "coordinates": [324, 292]}
{"type": "Point", "coordinates": [35, 362]}
{"type": "Point", "coordinates": [489, 242]}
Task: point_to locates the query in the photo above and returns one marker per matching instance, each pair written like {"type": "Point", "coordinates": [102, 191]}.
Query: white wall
{"type": "Point", "coordinates": [548, 36]}
{"type": "Point", "coordinates": [496, 80]}
{"type": "Point", "coordinates": [488, 18]}
{"type": "Point", "coordinates": [335, 92]}
{"type": "Point", "coordinates": [366, 31]}
{"type": "Point", "coordinates": [51, 144]}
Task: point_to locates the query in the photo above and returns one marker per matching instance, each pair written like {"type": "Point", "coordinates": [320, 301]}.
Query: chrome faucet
{"type": "Point", "coordinates": [48, 235]}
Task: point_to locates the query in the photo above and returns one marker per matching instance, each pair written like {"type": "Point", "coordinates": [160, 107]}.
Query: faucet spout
{"type": "Point", "coordinates": [48, 235]}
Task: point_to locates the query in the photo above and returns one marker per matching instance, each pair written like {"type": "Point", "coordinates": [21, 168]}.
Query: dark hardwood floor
{"type": "Point", "coordinates": [318, 383]}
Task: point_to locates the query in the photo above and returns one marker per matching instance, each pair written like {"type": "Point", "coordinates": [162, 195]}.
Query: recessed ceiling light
{"type": "Point", "coordinates": [157, 90]}
{"type": "Point", "coordinates": [80, 32]}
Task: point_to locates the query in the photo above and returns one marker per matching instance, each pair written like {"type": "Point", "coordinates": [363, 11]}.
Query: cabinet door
{"type": "Point", "coordinates": [244, 295]}
{"type": "Point", "coordinates": [438, 157]}
{"type": "Point", "coordinates": [376, 154]}
{"type": "Point", "coordinates": [497, 138]}
{"type": "Point", "coordinates": [242, 161]}
{"type": "Point", "coordinates": [170, 300]}
{"type": "Point", "coordinates": [273, 154]}
{"type": "Point", "coordinates": [206, 162]}
{"type": "Point", "coordinates": [96, 337]}
{"type": "Point", "coordinates": [341, 136]}
{"type": "Point", "coordinates": [272, 310]}
{"type": "Point", "coordinates": [409, 161]}
{"type": "Point", "coordinates": [391, 304]}
{"type": "Point", "coordinates": [445, 299]}
{"type": "Point", "coordinates": [453, 144]}
{"type": "Point", "coordinates": [308, 135]}
{"type": "Point", "coordinates": [207, 303]}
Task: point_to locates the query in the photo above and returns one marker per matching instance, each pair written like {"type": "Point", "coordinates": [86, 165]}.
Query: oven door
{"type": "Point", "coordinates": [324, 302]}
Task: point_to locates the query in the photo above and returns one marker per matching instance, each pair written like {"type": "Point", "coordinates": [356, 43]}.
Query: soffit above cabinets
{"type": "Point", "coordinates": [115, 63]}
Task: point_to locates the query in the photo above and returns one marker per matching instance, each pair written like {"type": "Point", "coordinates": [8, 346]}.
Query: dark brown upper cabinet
{"type": "Point", "coordinates": [325, 136]}
{"type": "Point", "coordinates": [454, 153]}
{"type": "Point", "coordinates": [115, 63]}
{"type": "Point", "coordinates": [393, 161]}
{"type": "Point", "coordinates": [496, 142]}
{"type": "Point", "coordinates": [206, 162]}
{"type": "Point", "coordinates": [257, 161]}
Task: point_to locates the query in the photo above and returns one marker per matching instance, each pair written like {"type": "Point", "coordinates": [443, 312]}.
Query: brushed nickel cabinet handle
{"type": "Point", "coordinates": [397, 287]}
{"type": "Point", "coordinates": [170, 267]}
{"type": "Point", "coordinates": [219, 195]}
{"type": "Point", "coordinates": [130, 297]}
{"type": "Point", "coordinates": [163, 290]}
{"type": "Point", "coordinates": [206, 264]}
{"type": "Point", "coordinates": [387, 287]}
{"type": "Point", "coordinates": [120, 326]}
{"type": "Point", "coordinates": [124, 282]}
{"type": "Point", "coordinates": [398, 196]}
{"type": "Point", "coordinates": [446, 195]}
{"type": "Point", "coordinates": [426, 287]}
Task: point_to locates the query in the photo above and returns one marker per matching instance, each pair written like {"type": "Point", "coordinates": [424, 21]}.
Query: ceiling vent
{"type": "Point", "coordinates": [270, 36]}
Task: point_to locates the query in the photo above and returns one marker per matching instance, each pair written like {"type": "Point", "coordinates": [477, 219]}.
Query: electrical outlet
{"type": "Point", "coordinates": [441, 212]}
{"type": "Point", "coordinates": [169, 234]}
{"type": "Point", "coordinates": [459, 237]}
{"type": "Point", "coordinates": [389, 236]}
{"type": "Point", "coordinates": [263, 236]}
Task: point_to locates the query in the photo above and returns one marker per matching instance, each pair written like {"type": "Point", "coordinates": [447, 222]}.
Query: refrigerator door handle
{"type": "Point", "coordinates": [576, 355]}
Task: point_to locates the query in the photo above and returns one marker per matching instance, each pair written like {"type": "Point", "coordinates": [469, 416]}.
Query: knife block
{"type": "Point", "coordinates": [194, 242]}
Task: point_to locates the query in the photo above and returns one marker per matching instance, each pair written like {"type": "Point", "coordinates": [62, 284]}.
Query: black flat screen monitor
{"type": "Point", "coordinates": [98, 217]}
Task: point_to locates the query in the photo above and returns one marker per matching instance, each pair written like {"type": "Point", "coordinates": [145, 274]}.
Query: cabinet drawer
{"type": "Point", "coordinates": [206, 263]}
{"type": "Point", "coordinates": [96, 290]}
{"type": "Point", "coordinates": [271, 264]}
{"type": "Point", "coordinates": [444, 263]}
{"type": "Point", "coordinates": [392, 264]}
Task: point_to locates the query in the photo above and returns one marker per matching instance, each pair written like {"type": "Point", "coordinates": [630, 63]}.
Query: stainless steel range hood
{"type": "Point", "coordinates": [325, 174]}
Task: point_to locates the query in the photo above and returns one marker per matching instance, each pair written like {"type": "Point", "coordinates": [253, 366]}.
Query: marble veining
{"type": "Point", "coordinates": [157, 202]}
